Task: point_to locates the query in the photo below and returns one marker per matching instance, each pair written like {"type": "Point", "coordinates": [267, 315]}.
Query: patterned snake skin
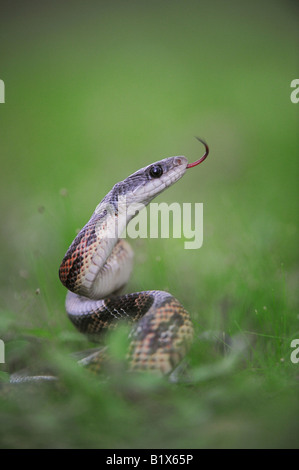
{"type": "Point", "coordinates": [98, 264]}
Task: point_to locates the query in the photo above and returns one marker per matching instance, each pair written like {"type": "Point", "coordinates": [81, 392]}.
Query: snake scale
{"type": "Point", "coordinates": [98, 264]}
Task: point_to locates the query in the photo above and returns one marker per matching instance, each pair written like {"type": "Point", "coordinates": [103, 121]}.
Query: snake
{"type": "Point", "coordinates": [98, 265]}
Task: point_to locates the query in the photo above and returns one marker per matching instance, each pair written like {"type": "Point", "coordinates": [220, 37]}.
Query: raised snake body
{"type": "Point", "coordinates": [98, 263]}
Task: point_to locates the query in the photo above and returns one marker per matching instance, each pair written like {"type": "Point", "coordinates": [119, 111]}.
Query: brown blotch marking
{"type": "Point", "coordinates": [94, 323]}
{"type": "Point", "coordinates": [134, 305]}
{"type": "Point", "coordinates": [81, 246]}
{"type": "Point", "coordinates": [73, 260]}
{"type": "Point", "coordinates": [73, 273]}
{"type": "Point", "coordinates": [162, 339]}
{"type": "Point", "coordinates": [91, 238]}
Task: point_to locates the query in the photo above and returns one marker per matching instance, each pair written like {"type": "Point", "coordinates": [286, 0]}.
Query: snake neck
{"type": "Point", "coordinates": [97, 262]}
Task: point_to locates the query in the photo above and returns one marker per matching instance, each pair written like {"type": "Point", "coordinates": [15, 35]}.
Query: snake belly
{"type": "Point", "coordinates": [98, 264]}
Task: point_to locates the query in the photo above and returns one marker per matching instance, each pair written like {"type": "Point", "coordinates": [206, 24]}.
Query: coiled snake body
{"type": "Point", "coordinates": [98, 264]}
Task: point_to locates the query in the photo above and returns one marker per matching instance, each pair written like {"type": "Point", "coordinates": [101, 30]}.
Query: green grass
{"type": "Point", "coordinates": [93, 93]}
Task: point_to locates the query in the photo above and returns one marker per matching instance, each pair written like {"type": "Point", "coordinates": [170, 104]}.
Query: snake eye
{"type": "Point", "coordinates": [156, 171]}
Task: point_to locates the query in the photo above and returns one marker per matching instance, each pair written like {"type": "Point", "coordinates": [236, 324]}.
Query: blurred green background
{"type": "Point", "coordinates": [94, 91]}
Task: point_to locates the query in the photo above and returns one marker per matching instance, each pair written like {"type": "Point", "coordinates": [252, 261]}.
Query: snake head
{"type": "Point", "coordinates": [146, 183]}
{"type": "Point", "coordinates": [138, 189]}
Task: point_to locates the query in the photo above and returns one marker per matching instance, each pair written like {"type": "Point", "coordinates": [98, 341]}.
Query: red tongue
{"type": "Point", "coordinates": [191, 165]}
